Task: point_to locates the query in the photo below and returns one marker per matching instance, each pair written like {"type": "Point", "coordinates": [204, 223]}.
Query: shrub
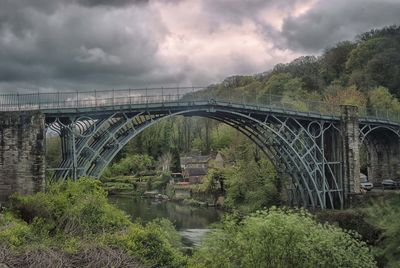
{"type": "Point", "coordinates": [356, 220]}
{"type": "Point", "coordinates": [281, 238]}
{"type": "Point", "coordinates": [385, 213]}
{"type": "Point", "coordinates": [152, 244]}
{"type": "Point", "coordinates": [70, 207]}
{"type": "Point", "coordinates": [74, 217]}
{"type": "Point", "coordinates": [130, 165]}
{"type": "Point", "coordinates": [13, 232]}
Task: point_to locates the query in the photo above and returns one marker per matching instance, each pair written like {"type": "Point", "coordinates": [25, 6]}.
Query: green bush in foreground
{"type": "Point", "coordinates": [384, 213]}
{"type": "Point", "coordinates": [75, 216]}
{"type": "Point", "coordinates": [70, 208]}
{"type": "Point", "coordinates": [281, 238]}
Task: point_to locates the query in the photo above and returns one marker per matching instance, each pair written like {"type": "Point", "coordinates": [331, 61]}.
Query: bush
{"type": "Point", "coordinates": [356, 220]}
{"type": "Point", "coordinates": [151, 244]}
{"type": "Point", "coordinates": [13, 232]}
{"type": "Point", "coordinates": [251, 186]}
{"type": "Point", "coordinates": [281, 238]}
{"type": "Point", "coordinates": [70, 207]}
{"type": "Point", "coordinates": [74, 217]}
{"type": "Point", "coordinates": [385, 213]}
{"type": "Point", "coordinates": [130, 165]}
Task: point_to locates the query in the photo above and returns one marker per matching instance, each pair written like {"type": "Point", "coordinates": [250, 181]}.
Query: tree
{"type": "Point", "coordinates": [348, 96]}
{"type": "Point", "coordinates": [222, 136]}
{"type": "Point", "coordinates": [333, 61]}
{"type": "Point", "coordinates": [281, 238]}
{"type": "Point", "coordinates": [214, 182]}
{"type": "Point", "coordinates": [385, 213]}
{"type": "Point", "coordinates": [251, 185]}
{"type": "Point", "coordinates": [376, 61]}
{"type": "Point", "coordinates": [165, 162]}
{"type": "Point", "coordinates": [305, 68]}
{"type": "Point", "coordinates": [53, 152]}
{"type": "Point", "coordinates": [130, 165]}
{"type": "Point", "coordinates": [382, 102]}
{"type": "Point", "coordinates": [274, 85]}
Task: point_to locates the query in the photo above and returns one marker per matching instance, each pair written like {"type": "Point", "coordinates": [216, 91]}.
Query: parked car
{"type": "Point", "coordinates": [364, 183]}
{"type": "Point", "coordinates": [388, 183]}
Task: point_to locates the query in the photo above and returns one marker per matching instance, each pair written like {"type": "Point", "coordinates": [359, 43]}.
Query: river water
{"type": "Point", "coordinates": [191, 222]}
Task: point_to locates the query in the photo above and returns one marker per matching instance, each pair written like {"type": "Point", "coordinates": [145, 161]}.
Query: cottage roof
{"type": "Point", "coordinates": [194, 159]}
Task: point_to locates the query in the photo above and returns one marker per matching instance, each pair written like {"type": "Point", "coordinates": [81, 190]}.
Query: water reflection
{"type": "Point", "coordinates": [183, 217]}
{"type": "Point", "coordinates": [191, 222]}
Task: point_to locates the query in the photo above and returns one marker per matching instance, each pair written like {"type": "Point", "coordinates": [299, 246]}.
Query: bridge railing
{"type": "Point", "coordinates": [89, 99]}
{"type": "Point", "coordinates": [380, 114]}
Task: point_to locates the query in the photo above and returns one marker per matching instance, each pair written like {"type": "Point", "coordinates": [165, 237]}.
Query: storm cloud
{"type": "Point", "coordinates": [99, 44]}
{"type": "Point", "coordinates": [331, 21]}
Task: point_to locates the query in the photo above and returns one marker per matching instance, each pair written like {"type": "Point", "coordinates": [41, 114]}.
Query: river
{"type": "Point", "coordinates": [191, 222]}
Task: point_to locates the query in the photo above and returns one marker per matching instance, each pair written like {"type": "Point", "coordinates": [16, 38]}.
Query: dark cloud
{"type": "Point", "coordinates": [238, 11]}
{"type": "Point", "coordinates": [92, 3]}
{"type": "Point", "coordinates": [86, 47]}
{"type": "Point", "coordinates": [329, 22]}
{"type": "Point", "coordinates": [86, 44]}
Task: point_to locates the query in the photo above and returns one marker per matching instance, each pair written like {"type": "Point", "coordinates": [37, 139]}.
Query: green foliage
{"type": "Point", "coordinates": [281, 238]}
{"type": "Point", "coordinates": [70, 207]}
{"type": "Point", "coordinates": [73, 216]}
{"type": "Point", "coordinates": [347, 96]}
{"type": "Point", "coordinates": [276, 85]}
{"type": "Point", "coordinates": [130, 165]}
{"type": "Point", "coordinates": [305, 68]}
{"type": "Point", "coordinates": [14, 233]}
{"type": "Point", "coordinates": [160, 182]}
{"type": "Point", "coordinates": [222, 136]}
{"type": "Point", "coordinates": [333, 61]}
{"type": "Point", "coordinates": [251, 186]}
{"type": "Point", "coordinates": [153, 243]}
{"type": "Point", "coordinates": [385, 214]}
{"type": "Point", "coordinates": [380, 99]}
{"type": "Point", "coordinates": [377, 61]}
{"type": "Point", "coordinates": [53, 152]}
{"type": "Point", "coordinates": [297, 99]}
{"type": "Point", "coordinates": [213, 184]}
{"type": "Point", "coordinates": [352, 219]}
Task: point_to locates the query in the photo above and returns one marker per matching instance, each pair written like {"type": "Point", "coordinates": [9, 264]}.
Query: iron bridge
{"type": "Point", "coordinates": [307, 142]}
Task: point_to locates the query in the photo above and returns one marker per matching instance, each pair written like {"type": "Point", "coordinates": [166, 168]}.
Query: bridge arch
{"type": "Point", "coordinates": [382, 149]}
{"type": "Point", "coordinates": [291, 145]}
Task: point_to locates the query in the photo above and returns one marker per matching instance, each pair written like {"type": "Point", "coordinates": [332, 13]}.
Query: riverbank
{"type": "Point", "coordinates": [74, 218]}
{"type": "Point", "coordinates": [191, 222]}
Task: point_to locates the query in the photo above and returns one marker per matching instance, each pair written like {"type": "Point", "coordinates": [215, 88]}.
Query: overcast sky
{"type": "Point", "coordinates": [100, 44]}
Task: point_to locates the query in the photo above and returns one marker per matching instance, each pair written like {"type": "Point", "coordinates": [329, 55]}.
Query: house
{"type": "Point", "coordinates": [199, 161]}
{"type": "Point", "coordinates": [195, 167]}
{"type": "Point", "coordinates": [195, 174]}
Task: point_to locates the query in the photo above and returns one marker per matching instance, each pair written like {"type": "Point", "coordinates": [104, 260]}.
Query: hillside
{"type": "Point", "coordinates": [365, 72]}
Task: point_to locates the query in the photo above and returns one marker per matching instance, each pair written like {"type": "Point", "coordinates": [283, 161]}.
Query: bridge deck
{"type": "Point", "coordinates": [101, 102]}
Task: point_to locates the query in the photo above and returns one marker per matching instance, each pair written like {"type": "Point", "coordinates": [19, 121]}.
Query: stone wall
{"type": "Point", "coordinates": [351, 151]}
{"type": "Point", "coordinates": [22, 153]}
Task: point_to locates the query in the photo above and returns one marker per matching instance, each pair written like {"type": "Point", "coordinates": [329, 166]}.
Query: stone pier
{"type": "Point", "coordinates": [351, 152]}
{"type": "Point", "coordinates": [22, 153]}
